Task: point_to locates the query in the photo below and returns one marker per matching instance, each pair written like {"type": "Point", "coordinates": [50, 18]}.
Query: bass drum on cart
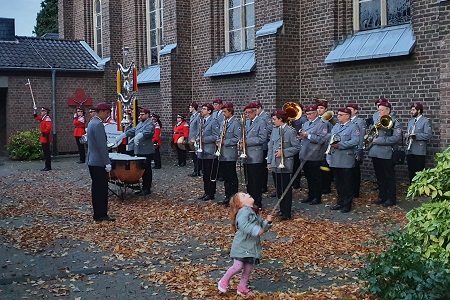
{"type": "Point", "coordinates": [128, 169]}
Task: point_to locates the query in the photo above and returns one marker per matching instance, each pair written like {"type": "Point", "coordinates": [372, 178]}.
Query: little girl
{"type": "Point", "coordinates": [246, 248]}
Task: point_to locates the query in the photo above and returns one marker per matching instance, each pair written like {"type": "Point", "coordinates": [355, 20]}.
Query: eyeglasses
{"type": "Point", "coordinates": [342, 114]}
{"type": "Point", "coordinates": [310, 113]}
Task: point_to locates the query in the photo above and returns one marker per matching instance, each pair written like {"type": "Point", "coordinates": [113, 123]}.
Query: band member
{"type": "Point", "coordinates": [206, 156]}
{"type": "Point", "coordinates": [375, 118]}
{"type": "Point", "coordinates": [181, 131]}
{"type": "Point", "coordinates": [418, 134]}
{"type": "Point", "coordinates": [298, 124]}
{"type": "Point", "coordinates": [256, 137]}
{"type": "Point", "coordinates": [45, 126]}
{"type": "Point", "coordinates": [341, 157]}
{"type": "Point", "coordinates": [143, 147]}
{"type": "Point", "coordinates": [194, 126]}
{"type": "Point", "coordinates": [283, 145]}
{"type": "Point", "coordinates": [381, 154]}
{"type": "Point", "coordinates": [217, 114]}
{"type": "Point", "coordinates": [99, 163]}
{"type": "Point", "coordinates": [157, 142]}
{"type": "Point", "coordinates": [92, 112]}
{"type": "Point", "coordinates": [268, 120]}
{"type": "Point", "coordinates": [228, 151]}
{"type": "Point", "coordinates": [313, 138]}
{"type": "Point", "coordinates": [356, 171]}
{"type": "Point", "coordinates": [79, 121]}
{"type": "Point", "coordinates": [327, 177]}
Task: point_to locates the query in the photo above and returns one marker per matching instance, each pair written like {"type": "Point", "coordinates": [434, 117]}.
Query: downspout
{"type": "Point", "coordinates": [55, 148]}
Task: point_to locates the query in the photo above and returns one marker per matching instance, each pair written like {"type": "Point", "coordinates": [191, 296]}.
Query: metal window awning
{"type": "Point", "coordinates": [233, 63]}
{"type": "Point", "coordinates": [371, 44]}
{"type": "Point", "coordinates": [149, 75]}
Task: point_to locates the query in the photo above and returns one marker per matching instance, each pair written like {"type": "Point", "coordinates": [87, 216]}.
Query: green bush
{"type": "Point", "coordinates": [25, 146]}
{"type": "Point", "coordinates": [430, 225]}
{"type": "Point", "coordinates": [402, 273]}
{"type": "Point", "coordinates": [434, 182]}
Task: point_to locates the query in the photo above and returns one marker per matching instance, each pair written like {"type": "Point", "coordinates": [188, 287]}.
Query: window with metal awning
{"type": "Point", "coordinates": [378, 43]}
{"type": "Point", "coordinates": [233, 63]}
{"type": "Point", "coordinates": [149, 75]}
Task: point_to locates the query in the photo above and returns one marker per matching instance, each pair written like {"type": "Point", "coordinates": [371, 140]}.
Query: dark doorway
{"type": "Point", "coordinates": [3, 94]}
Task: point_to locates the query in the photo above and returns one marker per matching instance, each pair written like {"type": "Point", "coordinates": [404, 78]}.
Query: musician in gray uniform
{"type": "Point", "coordinates": [381, 153]}
{"type": "Point", "coordinates": [283, 145]}
{"type": "Point", "coordinates": [256, 137]}
{"type": "Point", "coordinates": [313, 146]}
{"type": "Point", "coordinates": [207, 147]}
{"type": "Point", "coordinates": [98, 162]}
{"type": "Point", "coordinates": [218, 114]}
{"type": "Point", "coordinates": [193, 133]}
{"type": "Point", "coordinates": [418, 134]}
{"type": "Point", "coordinates": [268, 121]}
{"type": "Point", "coordinates": [327, 176]}
{"type": "Point", "coordinates": [298, 124]}
{"type": "Point", "coordinates": [356, 171]}
{"type": "Point", "coordinates": [142, 136]}
{"type": "Point", "coordinates": [229, 139]}
{"type": "Point", "coordinates": [344, 139]}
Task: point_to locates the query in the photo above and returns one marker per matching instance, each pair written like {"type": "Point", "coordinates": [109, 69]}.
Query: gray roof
{"type": "Point", "coordinates": [30, 53]}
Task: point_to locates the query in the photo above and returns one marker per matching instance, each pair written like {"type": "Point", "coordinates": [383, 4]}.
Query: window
{"type": "Point", "coordinates": [98, 28]}
{"type": "Point", "coordinates": [371, 14]}
{"type": "Point", "coordinates": [239, 25]}
{"type": "Point", "coordinates": [155, 34]}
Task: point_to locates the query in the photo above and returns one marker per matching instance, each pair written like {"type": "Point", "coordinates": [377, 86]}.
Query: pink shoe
{"type": "Point", "coordinates": [243, 290]}
{"type": "Point", "coordinates": [222, 286]}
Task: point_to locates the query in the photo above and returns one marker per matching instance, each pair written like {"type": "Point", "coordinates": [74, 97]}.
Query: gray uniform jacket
{"type": "Point", "coordinates": [386, 140]}
{"type": "Point", "coordinates": [313, 147]}
{"type": "Point", "coordinates": [291, 147]}
{"type": "Point", "coordinates": [256, 137]}
{"type": "Point", "coordinates": [344, 155]}
{"type": "Point", "coordinates": [147, 128]}
{"type": "Point", "coordinates": [232, 136]}
{"type": "Point", "coordinates": [246, 243]}
{"type": "Point", "coordinates": [97, 154]}
{"type": "Point", "coordinates": [362, 131]}
{"type": "Point", "coordinates": [194, 126]}
{"type": "Point", "coordinates": [209, 138]}
{"type": "Point", "coordinates": [423, 132]}
{"type": "Point", "coordinates": [268, 120]}
{"type": "Point", "coordinates": [218, 115]}
{"type": "Point", "coordinates": [298, 124]}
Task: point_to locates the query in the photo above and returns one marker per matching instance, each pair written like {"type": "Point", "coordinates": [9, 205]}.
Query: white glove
{"type": "Point", "coordinates": [119, 139]}
{"type": "Point", "coordinates": [108, 168]}
{"type": "Point", "coordinates": [137, 138]}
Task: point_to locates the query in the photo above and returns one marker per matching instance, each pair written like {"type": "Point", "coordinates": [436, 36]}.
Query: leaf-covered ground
{"type": "Point", "coordinates": [169, 245]}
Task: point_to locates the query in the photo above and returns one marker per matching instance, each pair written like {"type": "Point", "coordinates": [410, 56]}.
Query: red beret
{"type": "Point", "coordinates": [322, 102]}
{"type": "Point", "coordinates": [311, 108]}
{"type": "Point", "coordinates": [218, 101]}
{"type": "Point", "coordinates": [180, 116]}
{"type": "Point", "coordinates": [258, 103]}
{"type": "Point", "coordinates": [145, 111]}
{"type": "Point", "coordinates": [155, 116]}
{"type": "Point", "coordinates": [227, 105]}
{"type": "Point", "coordinates": [279, 113]}
{"type": "Point", "coordinates": [208, 106]}
{"type": "Point", "coordinates": [418, 106]}
{"type": "Point", "coordinates": [103, 106]}
{"type": "Point", "coordinates": [45, 108]}
{"type": "Point", "coordinates": [353, 105]}
{"type": "Point", "coordinates": [385, 104]}
{"type": "Point", "coordinates": [251, 106]}
{"type": "Point", "coordinates": [378, 101]}
{"type": "Point", "coordinates": [194, 105]}
{"type": "Point", "coordinates": [345, 110]}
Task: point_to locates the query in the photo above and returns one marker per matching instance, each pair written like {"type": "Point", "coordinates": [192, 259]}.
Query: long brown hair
{"type": "Point", "coordinates": [235, 205]}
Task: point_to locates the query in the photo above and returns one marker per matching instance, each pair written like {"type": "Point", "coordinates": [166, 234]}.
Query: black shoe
{"type": "Point", "coordinates": [285, 218]}
{"type": "Point", "coordinates": [207, 198]}
{"type": "Point", "coordinates": [273, 195]}
{"type": "Point", "coordinates": [107, 218]}
{"type": "Point", "coordinates": [346, 209]}
{"type": "Point", "coordinates": [306, 200]}
{"type": "Point", "coordinates": [388, 203]}
{"type": "Point", "coordinates": [201, 197]}
{"type": "Point", "coordinates": [145, 192]}
{"type": "Point", "coordinates": [315, 202]}
{"type": "Point", "coordinates": [46, 169]}
{"type": "Point", "coordinates": [138, 192]}
{"type": "Point", "coordinates": [336, 207]}
{"type": "Point", "coordinates": [379, 201]}
{"type": "Point", "coordinates": [182, 165]}
{"type": "Point", "coordinates": [193, 175]}
{"type": "Point", "coordinates": [279, 214]}
{"type": "Point", "coordinates": [326, 192]}
{"type": "Point", "coordinates": [225, 202]}
{"type": "Point", "coordinates": [80, 162]}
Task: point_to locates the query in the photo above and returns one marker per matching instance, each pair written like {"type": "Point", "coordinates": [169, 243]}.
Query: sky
{"type": "Point", "coordinates": [24, 12]}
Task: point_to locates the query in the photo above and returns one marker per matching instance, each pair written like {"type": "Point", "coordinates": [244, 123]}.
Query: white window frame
{"type": "Point", "coordinates": [159, 30]}
{"type": "Point", "coordinates": [242, 29]}
{"type": "Point", "coordinates": [98, 47]}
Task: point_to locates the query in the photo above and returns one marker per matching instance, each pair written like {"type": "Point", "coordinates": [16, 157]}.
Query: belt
{"type": "Point", "coordinates": [178, 132]}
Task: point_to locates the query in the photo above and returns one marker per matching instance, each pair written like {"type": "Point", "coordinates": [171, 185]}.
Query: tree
{"type": "Point", "coordinates": [47, 18]}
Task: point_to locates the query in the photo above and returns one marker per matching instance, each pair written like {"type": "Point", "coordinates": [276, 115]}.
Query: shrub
{"type": "Point", "coordinates": [402, 273]}
{"type": "Point", "coordinates": [434, 182]}
{"type": "Point", "coordinates": [25, 146]}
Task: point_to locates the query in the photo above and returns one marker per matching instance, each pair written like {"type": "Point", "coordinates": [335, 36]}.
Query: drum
{"type": "Point", "coordinates": [126, 168]}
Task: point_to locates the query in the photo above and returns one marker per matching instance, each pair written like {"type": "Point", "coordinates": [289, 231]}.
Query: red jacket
{"type": "Point", "coordinates": [80, 124]}
{"type": "Point", "coordinates": [157, 135]}
{"type": "Point", "coordinates": [180, 130]}
{"type": "Point", "coordinates": [45, 126]}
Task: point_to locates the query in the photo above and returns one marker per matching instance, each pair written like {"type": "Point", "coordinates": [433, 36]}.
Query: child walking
{"type": "Point", "coordinates": [246, 248]}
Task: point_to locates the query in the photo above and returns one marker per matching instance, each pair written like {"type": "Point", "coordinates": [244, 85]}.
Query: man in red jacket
{"type": "Point", "coordinates": [46, 135]}
{"type": "Point", "coordinates": [79, 121]}
{"type": "Point", "coordinates": [180, 130]}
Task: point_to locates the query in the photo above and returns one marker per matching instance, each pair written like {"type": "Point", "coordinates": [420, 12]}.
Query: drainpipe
{"type": "Point", "coordinates": [55, 148]}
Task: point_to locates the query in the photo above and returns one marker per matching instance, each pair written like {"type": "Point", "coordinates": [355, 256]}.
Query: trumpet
{"type": "Point", "coordinates": [384, 122]}
{"type": "Point", "coordinates": [335, 138]}
{"type": "Point", "coordinates": [243, 143]}
{"type": "Point", "coordinates": [222, 136]}
{"type": "Point", "coordinates": [200, 136]}
{"type": "Point", "coordinates": [328, 117]}
{"type": "Point", "coordinates": [281, 165]}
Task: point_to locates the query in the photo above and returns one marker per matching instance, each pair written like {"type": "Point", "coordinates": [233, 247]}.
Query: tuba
{"type": "Point", "coordinates": [328, 117]}
{"type": "Point", "coordinates": [384, 122]}
{"type": "Point", "coordinates": [293, 111]}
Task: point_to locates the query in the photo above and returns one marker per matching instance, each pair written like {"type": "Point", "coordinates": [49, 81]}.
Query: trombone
{"type": "Point", "coordinates": [200, 136]}
{"type": "Point", "coordinates": [218, 152]}
{"type": "Point", "coordinates": [243, 154]}
{"type": "Point", "coordinates": [281, 165]}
